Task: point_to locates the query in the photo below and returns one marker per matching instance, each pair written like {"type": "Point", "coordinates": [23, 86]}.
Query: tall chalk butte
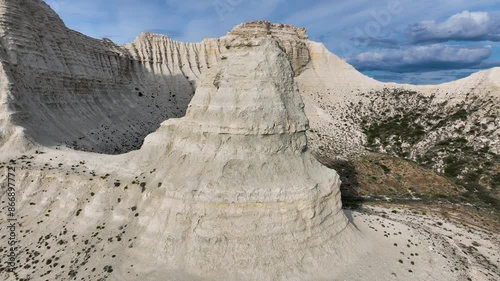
{"type": "Point", "coordinates": [238, 168]}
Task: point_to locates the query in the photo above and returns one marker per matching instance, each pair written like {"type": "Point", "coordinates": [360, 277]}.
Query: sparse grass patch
{"type": "Point", "coordinates": [495, 180]}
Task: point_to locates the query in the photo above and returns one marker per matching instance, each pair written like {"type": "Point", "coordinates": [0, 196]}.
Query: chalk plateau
{"type": "Point", "coordinates": [161, 160]}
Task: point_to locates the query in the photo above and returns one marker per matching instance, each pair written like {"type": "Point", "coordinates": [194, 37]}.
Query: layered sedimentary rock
{"type": "Point", "coordinates": [230, 191]}
{"type": "Point", "coordinates": [291, 39]}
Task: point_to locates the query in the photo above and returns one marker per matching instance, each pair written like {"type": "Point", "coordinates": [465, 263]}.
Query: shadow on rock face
{"type": "Point", "coordinates": [348, 175]}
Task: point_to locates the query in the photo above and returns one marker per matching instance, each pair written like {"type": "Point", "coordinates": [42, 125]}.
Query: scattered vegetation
{"type": "Point", "coordinates": [495, 181]}
{"type": "Point", "coordinates": [108, 268]}
{"type": "Point", "coordinates": [437, 136]}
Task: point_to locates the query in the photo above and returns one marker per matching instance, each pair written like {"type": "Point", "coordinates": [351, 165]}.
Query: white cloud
{"type": "Point", "coordinates": [464, 26]}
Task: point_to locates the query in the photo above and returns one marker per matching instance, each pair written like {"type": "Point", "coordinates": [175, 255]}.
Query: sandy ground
{"type": "Point", "coordinates": [407, 245]}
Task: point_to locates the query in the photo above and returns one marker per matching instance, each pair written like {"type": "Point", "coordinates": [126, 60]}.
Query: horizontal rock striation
{"type": "Point", "coordinates": [238, 161]}
{"type": "Point", "coordinates": [231, 190]}
{"type": "Point", "coordinates": [291, 39]}
{"type": "Point", "coordinates": [64, 88]}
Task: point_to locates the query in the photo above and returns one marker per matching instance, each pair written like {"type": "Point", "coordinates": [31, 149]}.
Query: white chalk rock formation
{"type": "Point", "coordinates": [256, 205]}
{"type": "Point", "coordinates": [228, 192]}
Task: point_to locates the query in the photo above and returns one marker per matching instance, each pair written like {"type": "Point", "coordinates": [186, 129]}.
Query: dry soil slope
{"type": "Point", "coordinates": [338, 98]}
{"type": "Point", "coordinates": [452, 128]}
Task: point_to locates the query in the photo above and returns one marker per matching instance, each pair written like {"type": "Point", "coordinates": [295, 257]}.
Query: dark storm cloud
{"type": "Point", "coordinates": [422, 58]}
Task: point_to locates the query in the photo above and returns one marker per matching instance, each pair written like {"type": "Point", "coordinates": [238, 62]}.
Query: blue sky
{"type": "Point", "coordinates": [419, 42]}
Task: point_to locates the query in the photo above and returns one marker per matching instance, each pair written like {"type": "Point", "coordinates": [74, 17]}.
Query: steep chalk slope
{"type": "Point", "coordinates": [291, 39]}
{"type": "Point", "coordinates": [61, 87]}
{"type": "Point", "coordinates": [485, 82]}
{"type": "Point", "coordinates": [329, 87]}
{"type": "Point", "coordinates": [339, 99]}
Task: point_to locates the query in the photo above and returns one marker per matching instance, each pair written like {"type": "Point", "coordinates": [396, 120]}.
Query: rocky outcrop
{"type": "Point", "coordinates": [239, 162]}
{"type": "Point", "coordinates": [291, 39]}
{"type": "Point", "coordinates": [64, 88]}
{"type": "Point", "coordinates": [265, 28]}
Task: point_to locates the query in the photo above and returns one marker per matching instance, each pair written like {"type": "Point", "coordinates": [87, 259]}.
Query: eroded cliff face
{"type": "Point", "coordinates": [230, 191]}
{"type": "Point", "coordinates": [64, 88]}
